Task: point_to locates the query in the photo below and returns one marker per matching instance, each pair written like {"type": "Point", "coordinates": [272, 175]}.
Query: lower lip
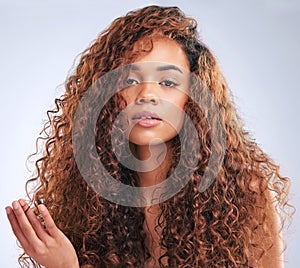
{"type": "Point", "coordinates": [147, 122]}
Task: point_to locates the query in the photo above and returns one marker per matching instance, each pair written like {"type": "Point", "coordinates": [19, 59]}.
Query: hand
{"type": "Point", "coordinates": [45, 244]}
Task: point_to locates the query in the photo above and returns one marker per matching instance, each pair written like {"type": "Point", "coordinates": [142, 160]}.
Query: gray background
{"type": "Point", "coordinates": [256, 44]}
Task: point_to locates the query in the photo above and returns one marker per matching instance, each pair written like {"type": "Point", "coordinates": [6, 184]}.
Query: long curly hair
{"type": "Point", "coordinates": [213, 228]}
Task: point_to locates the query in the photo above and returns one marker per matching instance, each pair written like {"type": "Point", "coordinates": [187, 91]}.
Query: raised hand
{"type": "Point", "coordinates": [46, 244]}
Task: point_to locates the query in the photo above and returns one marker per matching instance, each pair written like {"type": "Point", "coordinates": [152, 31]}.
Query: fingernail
{"type": "Point", "coordinates": [42, 208]}
{"type": "Point", "coordinates": [15, 205]}
{"type": "Point", "coordinates": [21, 201]}
{"type": "Point", "coordinates": [8, 211]}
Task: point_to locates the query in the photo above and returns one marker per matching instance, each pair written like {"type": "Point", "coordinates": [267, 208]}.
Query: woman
{"type": "Point", "coordinates": [230, 221]}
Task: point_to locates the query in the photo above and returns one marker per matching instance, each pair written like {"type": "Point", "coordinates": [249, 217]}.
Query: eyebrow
{"type": "Point", "coordinates": [160, 68]}
{"type": "Point", "coordinates": [168, 67]}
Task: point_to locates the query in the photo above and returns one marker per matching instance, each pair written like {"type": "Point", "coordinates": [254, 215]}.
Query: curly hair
{"type": "Point", "coordinates": [214, 228]}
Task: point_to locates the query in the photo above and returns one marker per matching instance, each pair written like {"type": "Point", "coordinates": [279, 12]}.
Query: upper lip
{"type": "Point", "coordinates": [146, 114]}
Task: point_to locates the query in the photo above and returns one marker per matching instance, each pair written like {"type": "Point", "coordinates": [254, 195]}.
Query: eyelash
{"type": "Point", "coordinates": [131, 81]}
{"type": "Point", "coordinates": [166, 83]}
{"type": "Point", "coordinates": [170, 82]}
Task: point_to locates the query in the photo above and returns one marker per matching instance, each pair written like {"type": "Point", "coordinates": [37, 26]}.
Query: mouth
{"type": "Point", "coordinates": [146, 119]}
{"type": "Point", "coordinates": [146, 115]}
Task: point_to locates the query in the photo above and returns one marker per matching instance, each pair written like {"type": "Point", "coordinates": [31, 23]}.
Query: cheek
{"type": "Point", "coordinates": [128, 97]}
{"type": "Point", "coordinates": [179, 100]}
{"type": "Point", "coordinates": [183, 101]}
{"type": "Point", "coordinates": [174, 114]}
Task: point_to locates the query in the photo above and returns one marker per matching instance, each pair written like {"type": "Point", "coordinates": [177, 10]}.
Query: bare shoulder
{"type": "Point", "coordinates": [269, 237]}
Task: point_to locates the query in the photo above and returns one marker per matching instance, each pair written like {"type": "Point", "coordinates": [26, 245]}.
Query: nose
{"type": "Point", "coordinates": [147, 94]}
{"type": "Point", "coordinates": [144, 100]}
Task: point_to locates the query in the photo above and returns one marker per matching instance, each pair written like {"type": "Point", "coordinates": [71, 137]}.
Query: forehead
{"type": "Point", "coordinates": [163, 50]}
{"type": "Point", "coordinates": [141, 66]}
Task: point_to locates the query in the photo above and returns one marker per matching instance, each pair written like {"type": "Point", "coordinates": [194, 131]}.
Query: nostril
{"type": "Point", "coordinates": [147, 100]}
{"type": "Point", "coordinates": [154, 100]}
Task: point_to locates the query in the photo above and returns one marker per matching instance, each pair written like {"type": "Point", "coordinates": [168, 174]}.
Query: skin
{"type": "Point", "coordinates": [51, 248]}
{"type": "Point", "coordinates": [159, 91]}
{"type": "Point", "coordinates": [47, 245]}
{"type": "Point", "coordinates": [164, 99]}
{"type": "Point", "coordinates": [168, 102]}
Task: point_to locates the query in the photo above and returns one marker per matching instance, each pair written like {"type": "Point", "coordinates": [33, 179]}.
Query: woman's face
{"type": "Point", "coordinates": [158, 84]}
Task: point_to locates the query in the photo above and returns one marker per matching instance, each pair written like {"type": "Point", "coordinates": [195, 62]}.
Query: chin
{"type": "Point", "coordinates": [143, 140]}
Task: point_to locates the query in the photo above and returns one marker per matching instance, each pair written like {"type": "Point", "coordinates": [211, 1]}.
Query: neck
{"type": "Point", "coordinates": [155, 162]}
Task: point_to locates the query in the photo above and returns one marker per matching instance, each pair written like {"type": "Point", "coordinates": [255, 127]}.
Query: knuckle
{"type": "Point", "coordinates": [26, 229]}
{"type": "Point", "coordinates": [18, 212]}
{"type": "Point", "coordinates": [24, 245]}
{"type": "Point", "coordinates": [51, 226]}
{"type": "Point", "coordinates": [28, 252]}
{"type": "Point", "coordinates": [50, 243]}
{"type": "Point", "coordinates": [35, 222]}
{"type": "Point", "coordinates": [39, 251]}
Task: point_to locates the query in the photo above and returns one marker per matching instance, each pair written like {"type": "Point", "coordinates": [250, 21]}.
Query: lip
{"type": "Point", "coordinates": [146, 115]}
{"type": "Point", "coordinates": [146, 119]}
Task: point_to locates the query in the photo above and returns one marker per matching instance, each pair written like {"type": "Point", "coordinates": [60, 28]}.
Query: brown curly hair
{"type": "Point", "coordinates": [214, 228]}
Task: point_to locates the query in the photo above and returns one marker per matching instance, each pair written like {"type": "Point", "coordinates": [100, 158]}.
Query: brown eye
{"type": "Point", "coordinates": [168, 83]}
{"type": "Point", "coordinates": [131, 81]}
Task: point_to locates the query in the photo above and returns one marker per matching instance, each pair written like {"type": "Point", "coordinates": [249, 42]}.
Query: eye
{"type": "Point", "coordinates": [168, 83]}
{"type": "Point", "coordinates": [131, 81]}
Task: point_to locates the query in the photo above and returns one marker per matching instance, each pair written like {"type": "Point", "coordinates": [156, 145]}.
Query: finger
{"type": "Point", "coordinates": [16, 228]}
{"type": "Point", "coordinates": [49, 223]}
{"type": "Point", "coordinates": [35, 222]}
{"type": "Point", "coordinates": [25, 225]}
